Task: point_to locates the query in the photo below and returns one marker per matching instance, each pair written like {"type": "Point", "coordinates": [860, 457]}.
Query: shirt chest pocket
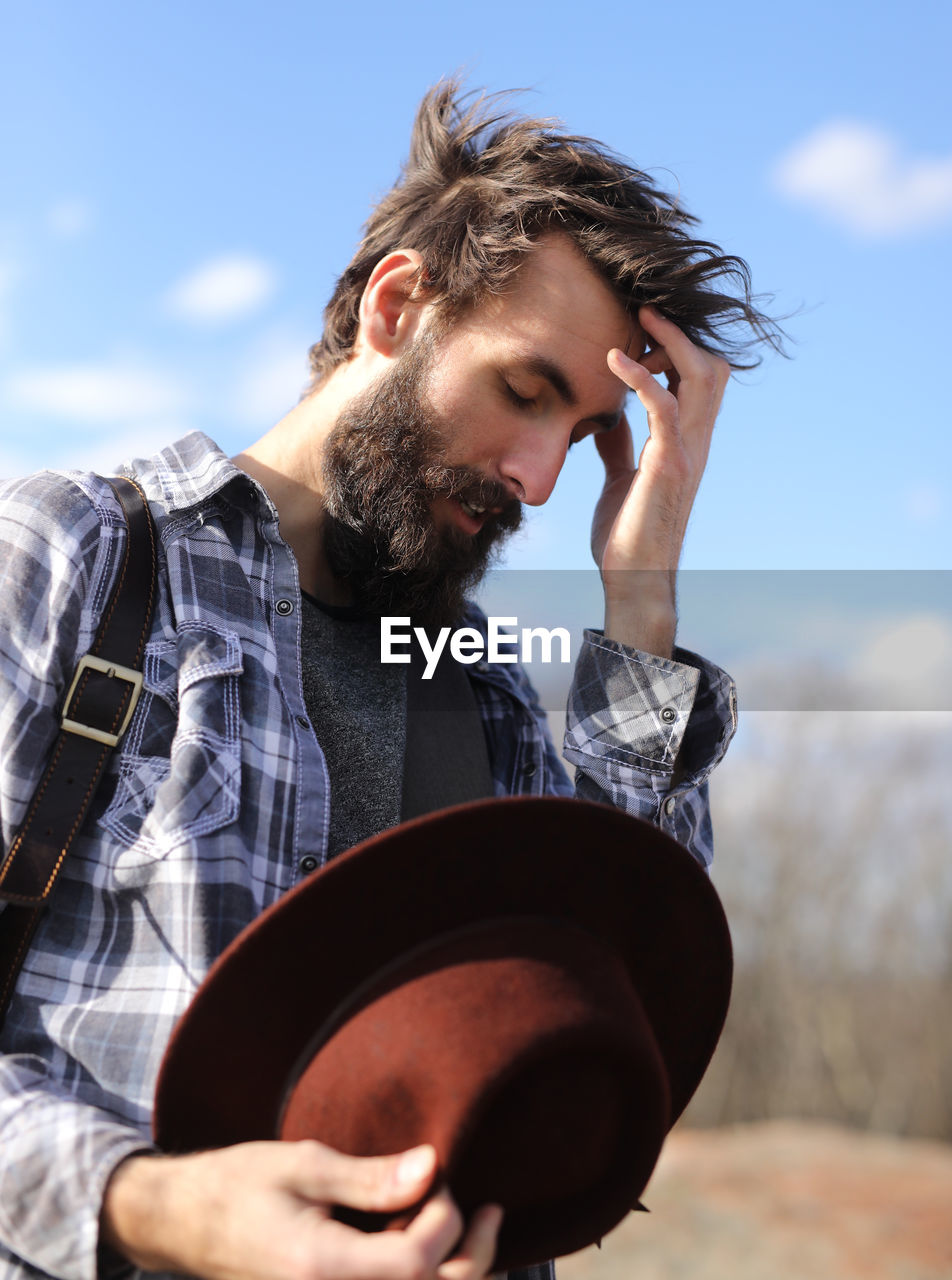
{"type": "Point", "coordinates": [178, 773]}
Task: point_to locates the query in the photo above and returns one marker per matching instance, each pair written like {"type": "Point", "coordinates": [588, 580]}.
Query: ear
{"type": "Point", "coordinates": [390, 308]}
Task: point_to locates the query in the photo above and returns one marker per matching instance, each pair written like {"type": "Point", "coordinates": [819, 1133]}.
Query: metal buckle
{"type": "Point", "coordinates": [115, 672]}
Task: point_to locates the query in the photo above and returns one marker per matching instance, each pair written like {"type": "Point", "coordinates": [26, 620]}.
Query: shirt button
{"type": "Point", "coordinates": [668, 715]}
{"type": "Point", "coordinates": [308, 864]}
{"type": "Point", "coordinates": [529, 771]}
{"type": "Point", "coordinates": [303, 722]}
{"type": "Point", "coordinates": [284, 607]}
{"type": "Point", "coordinates": [669, 805]}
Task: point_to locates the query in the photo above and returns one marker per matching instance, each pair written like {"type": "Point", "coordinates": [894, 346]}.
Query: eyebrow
{"type": "Point", "coordinates": [557, 378]}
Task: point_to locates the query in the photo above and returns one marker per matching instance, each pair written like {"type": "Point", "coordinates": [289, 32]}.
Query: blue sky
{"type": "Point", "coordinates": [183, 182]}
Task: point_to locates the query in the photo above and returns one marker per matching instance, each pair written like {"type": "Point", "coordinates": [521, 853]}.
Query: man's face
{"type": "Point", "coordinates": [426, 471]}
{"type": "Point", "coordinates": [523, 377]}
{"type": "Point", "coordinates": [386, 469]}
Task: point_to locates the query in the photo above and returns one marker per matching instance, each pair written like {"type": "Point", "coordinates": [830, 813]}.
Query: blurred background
{"type": "Point", "coordinates": [182, 183]}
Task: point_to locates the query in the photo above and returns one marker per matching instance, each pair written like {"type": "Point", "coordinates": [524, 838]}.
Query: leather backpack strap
{"type": "Point", "coordinates": [96, 713]}
{"type": "Point", "coordinates": [446, 760]}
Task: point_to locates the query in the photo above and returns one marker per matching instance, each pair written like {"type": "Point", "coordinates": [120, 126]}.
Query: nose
{"type": "Point", "coordinates": [532, 469]}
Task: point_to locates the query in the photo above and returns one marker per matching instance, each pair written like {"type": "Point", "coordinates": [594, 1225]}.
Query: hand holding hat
{"type": "Point", "coordinates": [263, 1210]}
{"type": "Point", "coordinates": [533, 986]}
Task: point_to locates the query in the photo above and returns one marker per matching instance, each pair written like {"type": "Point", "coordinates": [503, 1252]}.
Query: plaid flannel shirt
{"type": "Point", "coordinates": [217, 801]}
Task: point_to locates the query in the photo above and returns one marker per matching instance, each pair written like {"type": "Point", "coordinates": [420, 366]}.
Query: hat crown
{"type": "Point", "coordinates": [519, 1049]}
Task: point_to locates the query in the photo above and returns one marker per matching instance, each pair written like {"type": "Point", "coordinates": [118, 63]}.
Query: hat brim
{"type": "Point", "coordinates": [225, 1071]}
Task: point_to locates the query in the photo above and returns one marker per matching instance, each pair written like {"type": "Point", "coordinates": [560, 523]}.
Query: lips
{"type": "Point", "coordinates": [469, 516]}
{"type": "Point", "coordinates": [472, 500]}
{"type": "Point", "coordinates": [472, 509]}
{"type": "Point", "coordinates": [479, 501]}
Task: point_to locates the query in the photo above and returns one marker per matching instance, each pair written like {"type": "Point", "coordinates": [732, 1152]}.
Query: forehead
{"type": "Point", "coordinates": [560, 304]}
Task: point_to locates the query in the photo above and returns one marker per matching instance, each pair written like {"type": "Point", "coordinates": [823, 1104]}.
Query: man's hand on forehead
{"type": "Point", "coordinates": [642, 514]}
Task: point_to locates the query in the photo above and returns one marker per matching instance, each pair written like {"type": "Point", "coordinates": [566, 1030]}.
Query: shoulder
{"type": "Point", "coordinates": [66, 524]}
{"type": "Point", "coordinates": [60, 536]}
{"type": "Point", "coordinates": [69, 505]}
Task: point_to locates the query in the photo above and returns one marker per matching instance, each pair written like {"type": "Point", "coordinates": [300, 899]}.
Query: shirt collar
{"type": "Point", "coordinates": [193, 470]}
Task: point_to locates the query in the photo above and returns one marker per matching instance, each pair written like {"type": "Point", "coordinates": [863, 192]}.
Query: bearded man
{"type": "Point", "coordinates": [509, 292]}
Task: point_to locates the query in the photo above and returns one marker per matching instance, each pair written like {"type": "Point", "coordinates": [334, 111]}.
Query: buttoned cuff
{"type": "Point", "coordinates": [648, 713]}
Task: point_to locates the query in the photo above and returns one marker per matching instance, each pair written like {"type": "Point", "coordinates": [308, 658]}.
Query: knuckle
{"type": "Point", "coordinates": [413, 1263]}
{"type": "Point", "coordinates": [299, 1262]}
{"type": "Point", "coordinates": [457, 1220]}
{"type": "Point", "coordinates": [311, 1156]}
{"type": "Point", "coordinates": [308, 1269]}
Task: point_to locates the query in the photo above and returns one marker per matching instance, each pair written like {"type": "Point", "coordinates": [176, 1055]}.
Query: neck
{"type": "Point", "coordinates": [287, 463]}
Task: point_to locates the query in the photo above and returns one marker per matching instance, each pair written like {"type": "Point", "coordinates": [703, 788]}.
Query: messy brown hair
{"type": "Point", "coordinates": [479, 189]}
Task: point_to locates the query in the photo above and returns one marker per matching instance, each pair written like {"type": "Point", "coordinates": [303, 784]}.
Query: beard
{"type": "Point", "coordinates": [384, 464]}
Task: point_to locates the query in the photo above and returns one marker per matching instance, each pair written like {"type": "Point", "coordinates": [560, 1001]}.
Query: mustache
{"type": "Point", "coordinates": [440, 481]}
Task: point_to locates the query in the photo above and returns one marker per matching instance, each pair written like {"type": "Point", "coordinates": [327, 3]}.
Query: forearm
{"type": "Point", "coordinates": [640, 610]}
{"type": "Point", "coordinates": [148, 1214]}
{"type": "Point", "coordinates": [57, 1157]}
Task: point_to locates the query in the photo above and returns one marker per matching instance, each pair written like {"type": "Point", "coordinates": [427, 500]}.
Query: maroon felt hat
{"type": "Point", "coordinates": [533, 985]}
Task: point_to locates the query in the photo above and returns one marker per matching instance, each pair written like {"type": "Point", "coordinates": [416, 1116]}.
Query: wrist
{"type": "Point", "coordinates": [641, 609]}
{"type": "Point", "coordinates": [650, 630]}
{"type": "Point", "coordinates": [134, 1210]}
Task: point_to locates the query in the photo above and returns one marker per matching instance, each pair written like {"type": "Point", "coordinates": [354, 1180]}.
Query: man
{"type": "Point", "coordinates": [508, 294]}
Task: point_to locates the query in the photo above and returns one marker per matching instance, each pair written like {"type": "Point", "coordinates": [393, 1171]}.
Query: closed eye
{"type": "Point", "coordinates": [521, 402]}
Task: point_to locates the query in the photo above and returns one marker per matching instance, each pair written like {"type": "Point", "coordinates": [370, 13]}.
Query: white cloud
{"type": "Point", "coordinates": [860, 176]}
{"type": "Point", "coordinates": [924, 504]}
{"type": "Point", "coordinates": [222, 290]}
{"type": "Point", "coordinates": [274, 374]}
{"type": "Point", "coordinates": [909, 663]}
{"type": "Point", "coordinates": [104, 451]}
{"type": "Point", "coordinates": [70, 218]}
{"type": "Point", "coordinates": [12, 463]}
{"type": "Point", "coordinates": [94, 393]}
{"type": "Point", "coordinates": [9, 274]}
{"type": "Point", "coordinates": [87, 449]}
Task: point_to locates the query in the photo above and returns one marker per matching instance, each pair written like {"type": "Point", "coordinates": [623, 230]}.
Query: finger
{"type": "Point", "coordinates": [696, 381]}
{"type": "Point", "coordinates": [416, 1251]}
{"type": "Point", "coordinates": [688, 360]}
{"type": "Point", "coordinates": [616, 448]}
{"type": "Point", "coordinates": [346, 1253]}
{"type": "Point", "coordinates": [436, 1229]}
{"type": "Point", "coordinates": [362, 1182]}
{"type": "Point", "coordinates": [656, 361]}
{"type": "Point", "coordinates": [681, 351]}
{"type": "Point", "coordinates": [661, 405]}
{"type": "Point", "coordinates": [474, 1258]}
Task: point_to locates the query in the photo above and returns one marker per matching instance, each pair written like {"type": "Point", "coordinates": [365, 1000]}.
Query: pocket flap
{"type": "Point", "coordinates": [205, 652]}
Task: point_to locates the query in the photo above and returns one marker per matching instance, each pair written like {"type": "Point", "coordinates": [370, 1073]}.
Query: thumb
{"type": "Point", "coordinates": [365, 1182]}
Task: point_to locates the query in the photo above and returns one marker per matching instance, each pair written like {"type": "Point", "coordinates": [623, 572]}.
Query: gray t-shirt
{"type": "Point", "coordinates": [358, 707]}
